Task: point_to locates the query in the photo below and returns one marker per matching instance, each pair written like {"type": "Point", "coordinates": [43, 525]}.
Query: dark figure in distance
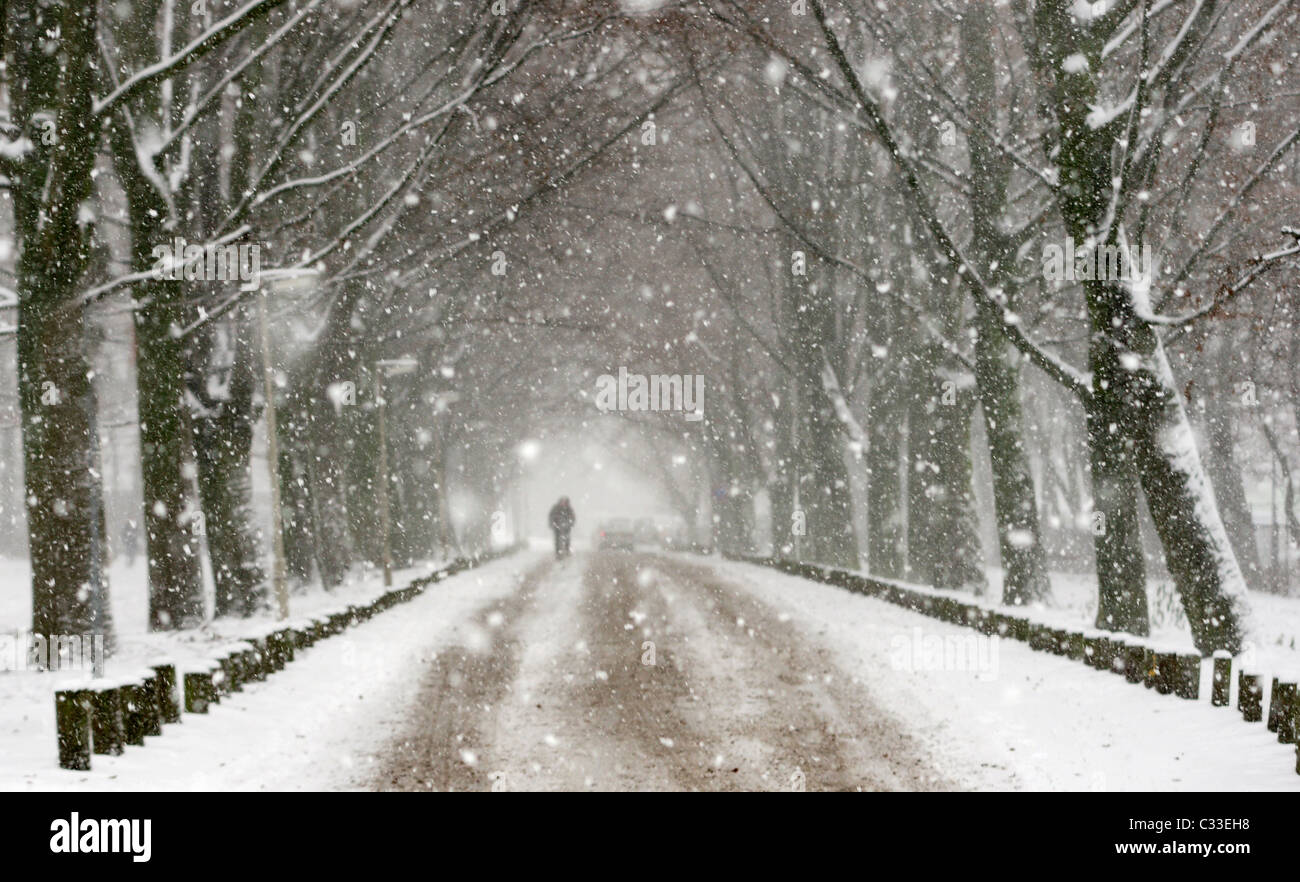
{"type": "Point", "coordinates": [561, 519]}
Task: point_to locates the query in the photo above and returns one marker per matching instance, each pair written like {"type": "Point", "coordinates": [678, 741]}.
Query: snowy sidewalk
{"type": "Point", "coordinates": [313, 726]}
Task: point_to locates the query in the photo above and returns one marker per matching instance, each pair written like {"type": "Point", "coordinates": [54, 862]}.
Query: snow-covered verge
{"type": "Point", "coordinates": [316, 725]}
{"type": "Point", "coordinates": [26, 692]}
{"type": "Point", "coordinates": [1274, 652]}
{"type": "Point", "coordinates": [1075, 596]}
{"type": "Point", "coordinates": [1029, 720]}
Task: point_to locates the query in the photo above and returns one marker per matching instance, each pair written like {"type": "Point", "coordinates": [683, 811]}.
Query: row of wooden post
{"type": "Point", "coordinates": [106, 716]}
{"type": "Point", "coordinates": [1167, 672]}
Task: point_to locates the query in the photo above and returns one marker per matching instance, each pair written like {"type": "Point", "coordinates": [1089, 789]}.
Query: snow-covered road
{"type": "Point", "coordinates": [644, 671]}
{"type": "Point", "coordinates": [763, 681]}
{"type": "Point", "coordinates": [634, 672]}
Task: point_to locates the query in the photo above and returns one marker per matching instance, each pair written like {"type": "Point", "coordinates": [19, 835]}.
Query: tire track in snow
{"type": "Point", "coordinates": [447, 744]}
{"type": "Point", "coordinates": [554, 689]}
{"type": "Point", "coordinates": [801, 713]}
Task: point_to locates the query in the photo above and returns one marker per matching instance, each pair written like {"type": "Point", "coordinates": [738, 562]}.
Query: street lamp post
{"type": "Point", "coordinates": [285, 280]}
{"type": "Point", "coordinates": [387, 367]}
{"type": "Point", "coordinates": [528, 451]}
{"type": "Point", "coordinates": [279, 581]}
{"type": "Point", "coordinates": [441, 402]}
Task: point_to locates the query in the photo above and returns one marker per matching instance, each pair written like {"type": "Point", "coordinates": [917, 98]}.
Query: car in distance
{"type": "Point", "coordinates": [618, 534]}
{"type": "Point", "coordinates": [646, 531]}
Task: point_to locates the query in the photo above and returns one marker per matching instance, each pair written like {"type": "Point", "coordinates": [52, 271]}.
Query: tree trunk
{"type": "Point", "coordinates": [223, 376]}
{"type": "Point", "coordinates": [1015, 504]}
{"type": "Point", "coordinates": [295, 514]}
{"type": "Point", "coordinates": [53, 47]}
{"type": "Point", "coordinates": [1221, 407]}
{"type": "Point", "coordinates": [997, 364]}
{"type": "Point", "coordinates": [223, 440]}
{"type": "Point", "coordinates": [825, 495]}
{"type": "Point", "coordinates": [780, 487]}
{"type": "Point", "coordinates": [1136, 413]}
{"type": "Point", "coordinates": [886, 516]}
{"type": "Point", "coordinates": [175, 582]}
{"type": "Point", "coordinates": [1229, 488]}
{"type": "Point", "coordinates": [940, 501]}
{"type": "Point", "coordinates": [1182, 504]}
{"type": "Point", "coordinates": [1117, 540]}
{"type": "Point", "coordinates": [326, 475]}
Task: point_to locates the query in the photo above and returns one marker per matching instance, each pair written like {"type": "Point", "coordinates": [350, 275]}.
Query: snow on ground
{"type": "Point", "coordinates": [313, 726]}
{"type": "Point", "coordinates": [28, 694]}
{"type": "Point", "coordinates": [1017, 720]}
{"type": "Point", "coordinates": [1029, 720]}
{"type": "Point", "coordinates": [1276, 647]}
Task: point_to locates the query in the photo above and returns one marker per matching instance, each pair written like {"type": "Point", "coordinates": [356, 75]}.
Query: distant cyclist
{"type": "Point", "coordinates": [561, 519]}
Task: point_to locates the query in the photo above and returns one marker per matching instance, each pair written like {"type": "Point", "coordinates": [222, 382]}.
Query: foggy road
{"type": "Point", "coordinates": [613, 671]}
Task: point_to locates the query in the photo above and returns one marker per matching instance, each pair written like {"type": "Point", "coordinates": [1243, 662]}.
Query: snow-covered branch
{"type": "Point", "coordinates": [1009, 323]}
{"type": "Point", "coordinates": [831, 386]}
{"type": "Point", "coordinates": [192, 52]}
{"type": "Point", "coordinates": [1259, 266]}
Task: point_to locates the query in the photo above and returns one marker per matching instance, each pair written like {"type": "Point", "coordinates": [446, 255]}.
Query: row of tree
{"type": "Point", "coordinates": [847, 235]}
{"type": "Point", "coordinates": [904, 172]}
{"type": "Point", "coordinates": [375, 155]}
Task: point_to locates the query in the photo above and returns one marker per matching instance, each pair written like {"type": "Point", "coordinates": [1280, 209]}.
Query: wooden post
{"type": "Point", "coordinates": [1104, 659]}
{"type": "Point", "coordinates": [152, 711]}
{"type": "Point", "coordinates": [1134, 659]}
{"type": "Point", "coordinates": [1038, 639]}
{"type": "Point", "coordinates": [1274, 707]}
{"type": "Point", "coordinates": [261, 658]}
{"type": "Point", "coordinates": [72, 717]}
{"type": "Point", "coordinates": [106, 721]}
{"type": "Point", "coordinates": [169, 703]}
{"type": "Point", "coordinates": [1187, 682]}
{"type": "Point", "coordinates": [1113, 652]}
{"type": "Point", "coordinates": [987, 623]}
{"type": "Point", "coordinates": [1166, 672]}
{"type": "Point", "coordinates": [246, 665]}
{"type": "Point", "coordinates": [287, 641]}
{"type": "Point", "coordinates": [198, 691]}
{"type": "Point", "coordinates": [134, 713]}
{"type": "Point", "coordinates": [1075, 643]}
{"type": "Point", "coordinates": [231, 679]}
{"type": "Point", "coordinates": [1285, 695]}
{"type": "Point", "coordinates": [1249, 698]}
{"type": "Point", "coordinates": [274, 654]}
{"type": "Point", "coordinates": [1149, 668]}
{"type": "Point", "coordinates": [1222, 683]}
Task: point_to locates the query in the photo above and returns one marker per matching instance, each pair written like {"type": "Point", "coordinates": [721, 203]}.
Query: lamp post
{"type": "Point", "coordinates": [285, 281]}
{"type": "Point", "coordinates": [441, 402]}
{"type": "Point", "coordinates": [528, 451]}
{"type": "Point", "coordinates": [387, 367]}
